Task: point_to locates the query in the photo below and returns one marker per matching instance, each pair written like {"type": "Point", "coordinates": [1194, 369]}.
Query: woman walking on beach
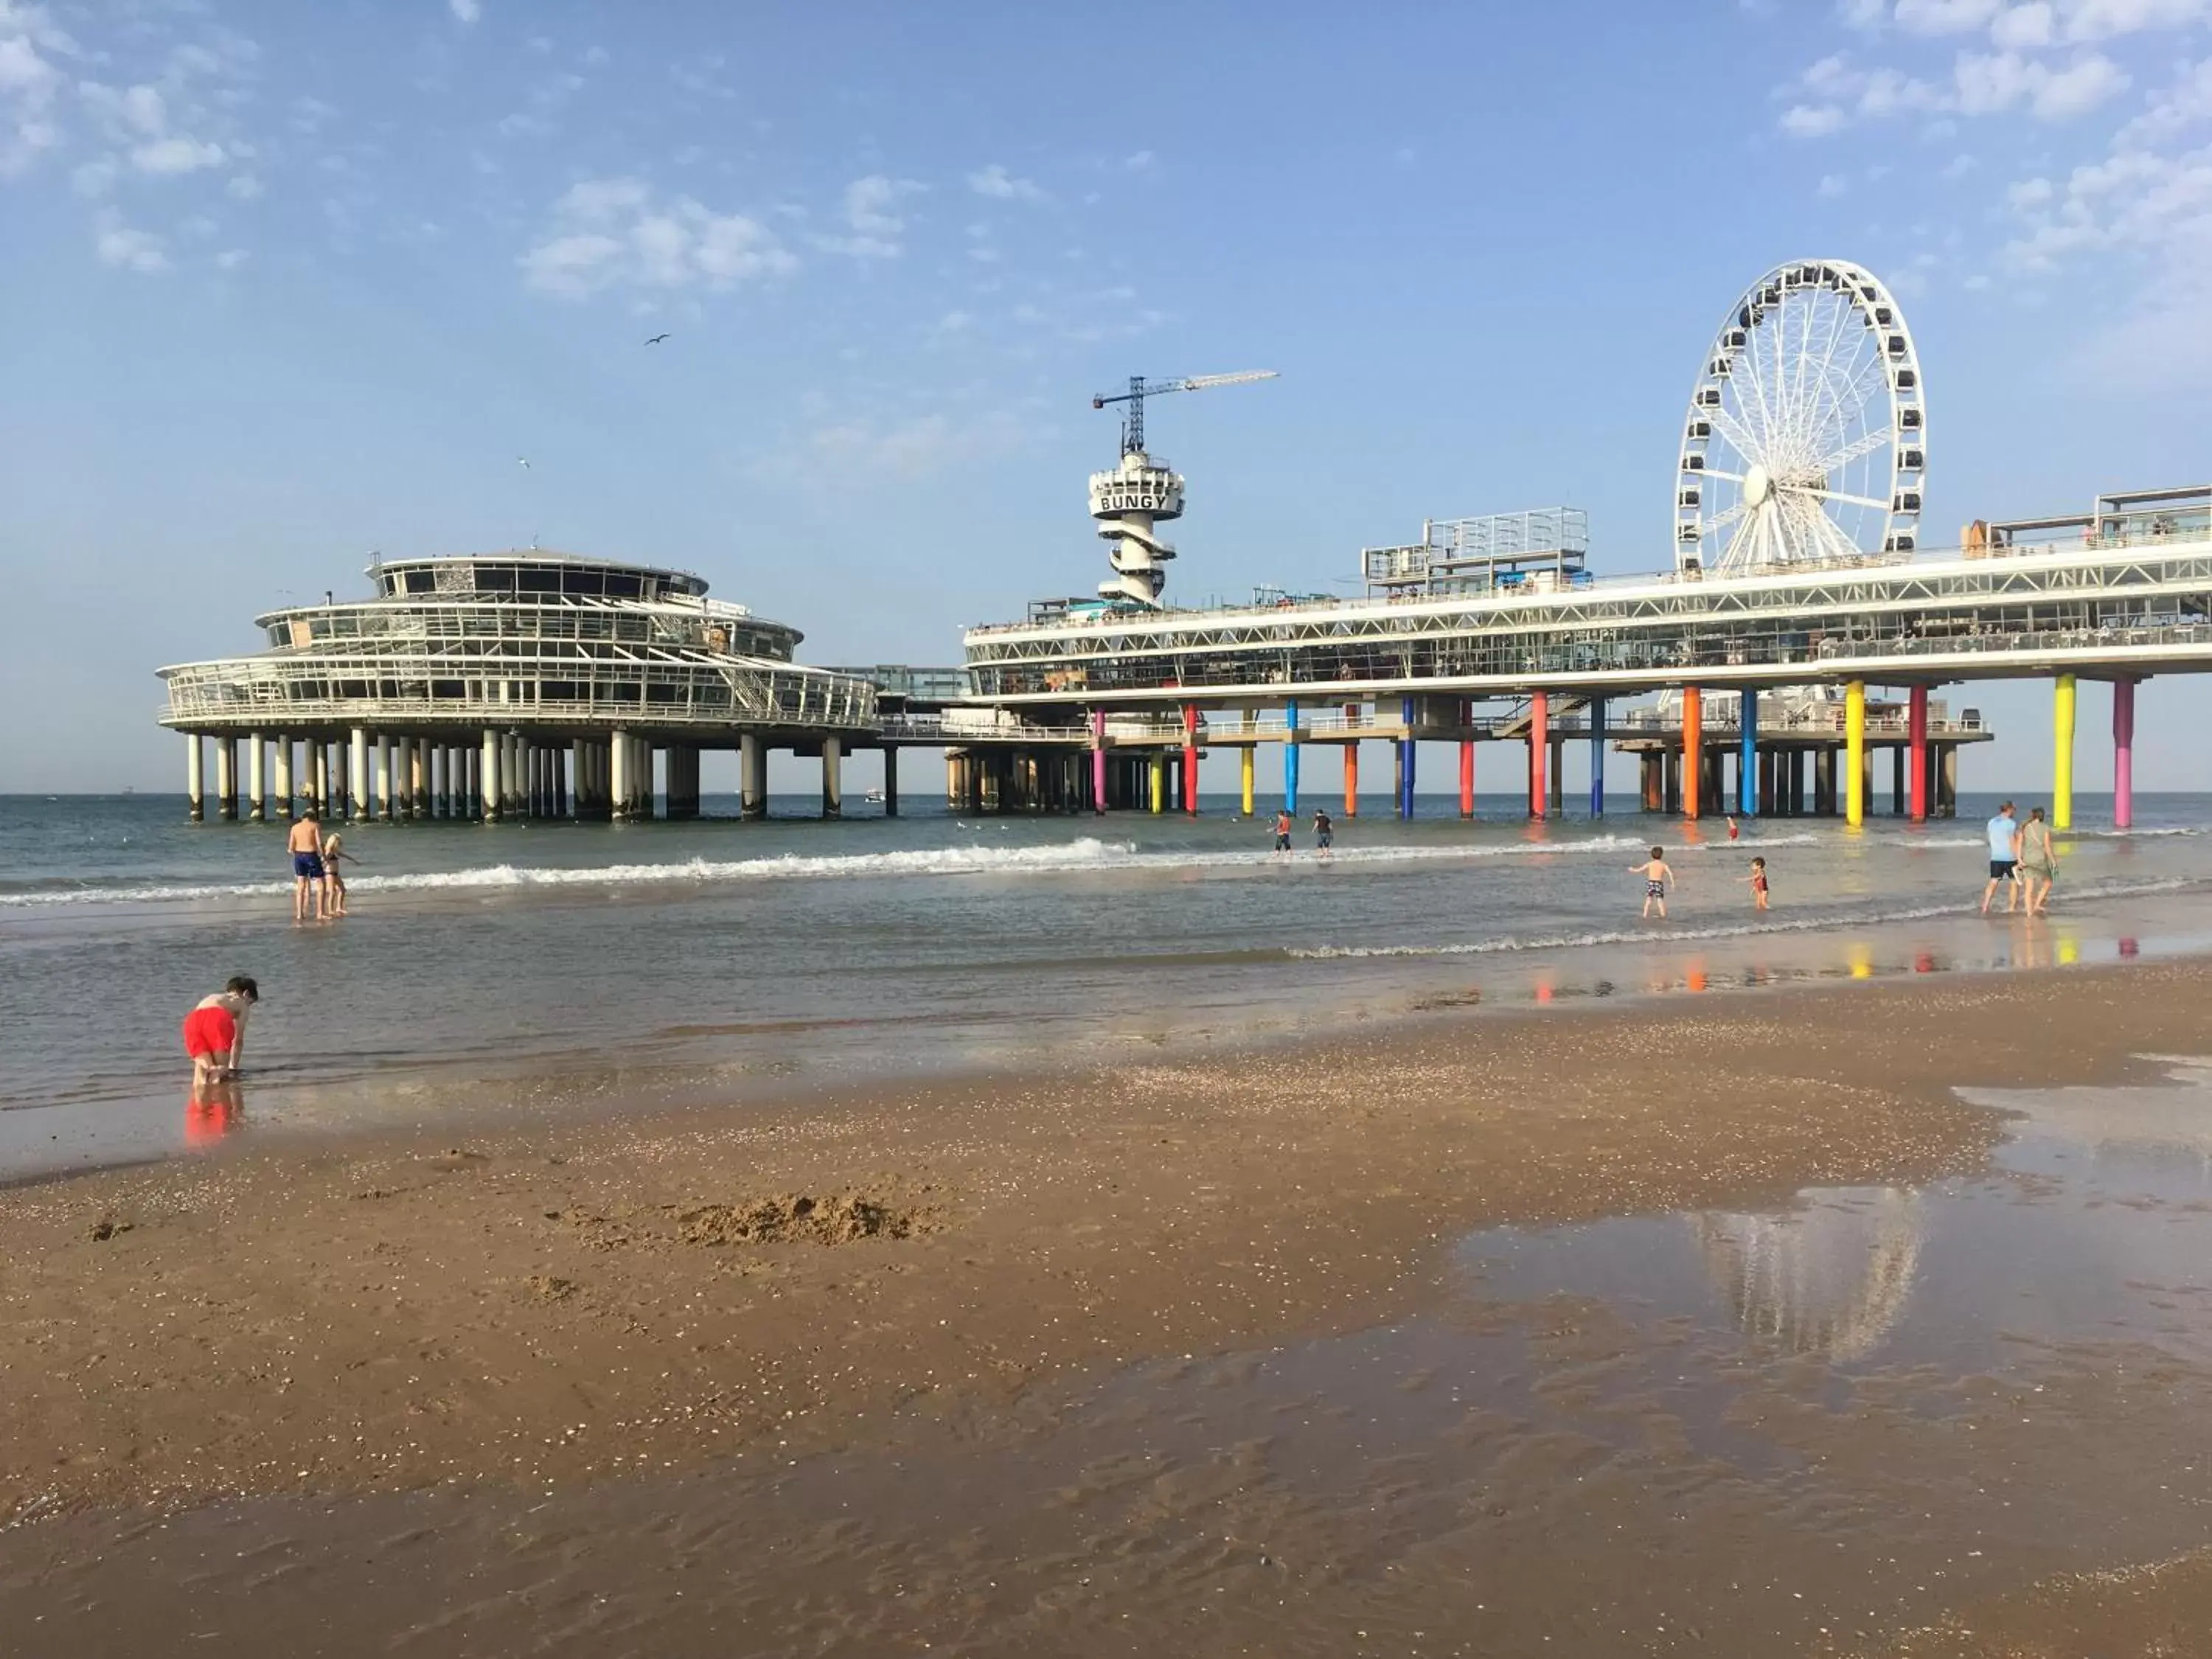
{"type": "Point", "coordinates": [2038, 862]}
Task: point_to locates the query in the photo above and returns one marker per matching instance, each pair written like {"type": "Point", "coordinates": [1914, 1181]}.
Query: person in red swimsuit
{"type": "Point", "coordinates": [215, 1031]}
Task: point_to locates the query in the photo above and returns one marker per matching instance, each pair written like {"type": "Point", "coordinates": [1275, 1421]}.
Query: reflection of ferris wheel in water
{"type": "Point", "coordinates": [1807, 439]}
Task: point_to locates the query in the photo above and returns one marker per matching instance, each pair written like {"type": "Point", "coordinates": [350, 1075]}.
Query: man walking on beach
{"type": "Point", "coordinates": [2004, 859]}
{"type": "Point", "coordinates": [305, 843]}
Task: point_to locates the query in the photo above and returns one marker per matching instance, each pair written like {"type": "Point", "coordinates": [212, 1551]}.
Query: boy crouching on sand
{"type": "Point", "coordinates": [1656, 879]}
{"type": "Point", "coordinates": [215, 1031]}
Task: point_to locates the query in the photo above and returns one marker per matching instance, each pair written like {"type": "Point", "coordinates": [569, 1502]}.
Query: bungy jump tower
{"type": "Point", "coordinates": [522, 684]}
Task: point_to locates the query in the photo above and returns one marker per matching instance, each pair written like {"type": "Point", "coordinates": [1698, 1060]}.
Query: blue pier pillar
{"type": "Point", "coordinates": [1406, 764]}
{"type": "Point", "coordinates": [1747, 765]}
{"type": "Point", "coordinates": [1597, 757]}
{"type": "Point", "coordinates": [1290, 758]}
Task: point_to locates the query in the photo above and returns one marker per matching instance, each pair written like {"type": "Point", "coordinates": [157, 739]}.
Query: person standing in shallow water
{"type": "Point", "coordinates": [1324, 834]}
{"type": "Point", "coordinates": [305, 844]}
{"type": "Point", "coordinates": [1657, 876]}
{"type": "Point", "coordinates": [1284, 826]}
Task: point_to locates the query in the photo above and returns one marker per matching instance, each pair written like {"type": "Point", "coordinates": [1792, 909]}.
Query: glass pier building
{"type": "Point", "coordinates": [506, 686]}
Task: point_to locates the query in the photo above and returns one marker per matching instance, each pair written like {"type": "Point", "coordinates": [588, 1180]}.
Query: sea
{"type": "Point", "coordinates": [519, 972]}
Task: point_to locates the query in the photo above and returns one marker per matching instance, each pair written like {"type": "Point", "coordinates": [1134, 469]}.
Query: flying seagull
{"type": "Point", "coordinates": [656, 339]}
{"type": "Point", "coordinates": [522, 463]}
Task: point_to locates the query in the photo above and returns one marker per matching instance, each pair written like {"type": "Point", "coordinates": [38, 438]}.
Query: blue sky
{"type": "Point", "coordinates": [286, 284]}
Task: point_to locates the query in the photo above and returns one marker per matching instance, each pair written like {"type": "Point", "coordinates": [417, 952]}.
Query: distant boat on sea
{"type": "Point", "coordinates": [875, 797]}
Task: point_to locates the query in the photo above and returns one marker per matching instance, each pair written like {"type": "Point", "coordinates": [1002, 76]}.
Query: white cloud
{"type": "Point", "coordinates": [1811, 120]}
{"type": "Point", "coordinates": [1959, 167]}
{"type": "Point", "coordinates": [1944, 16]}
{"type": "Point", "coordinates": [1989, 83]}
{"type": "Point", "coordinates": [2080, 87]}
{"type": "Point", "coordinates": [611, 232]}
{"type": "Point", "coordinates": [231, 258]}
{"type": "Point", "coordinates": [994, 180]}
{"type": "Point", "coordinates": [869, 210]}
{"type": "Point", "coordinates": [119, 245]}
{"type": "Point", "coordinates": [176, 154]}
{"type": "Point", "coordinates": [2023, 29]}
{"type": "Point", "coordinates": [466, 11]}
{"type": "Point", "coordinates": [1864, 14]}
{"type": "Point", "coordinates": [2105, 19]}
{"type": "Point", "coordinates": [1832, 184]}
{"type": "Point", "coordinates": [2029, 192]}
{"type": "Point", "coordinates": [245, 186]}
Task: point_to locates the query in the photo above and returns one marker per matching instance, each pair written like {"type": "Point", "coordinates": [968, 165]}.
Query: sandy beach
{"type": "Point", "coordinates": [943, 1367]}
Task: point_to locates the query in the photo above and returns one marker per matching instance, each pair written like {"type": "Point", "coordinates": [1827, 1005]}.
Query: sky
{"type": "Point", "coordinates": [288, 286]}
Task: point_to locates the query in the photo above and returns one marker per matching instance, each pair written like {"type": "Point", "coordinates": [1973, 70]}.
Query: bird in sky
{"type": "Point", "coordinates": [656, 339]}
{"type": "Point", "coordinates": [522, 462]}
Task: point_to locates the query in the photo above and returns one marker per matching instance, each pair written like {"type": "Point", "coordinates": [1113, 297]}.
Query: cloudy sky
{"type": "Point", "coordinates": [287, 285]}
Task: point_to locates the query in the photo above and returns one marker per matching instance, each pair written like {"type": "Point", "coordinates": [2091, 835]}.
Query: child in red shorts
{"type": "Point", "coordinates": [215, 1031]}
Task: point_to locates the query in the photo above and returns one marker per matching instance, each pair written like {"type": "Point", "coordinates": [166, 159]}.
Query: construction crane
{"type": "Point", "coordinates": [1133, 428]}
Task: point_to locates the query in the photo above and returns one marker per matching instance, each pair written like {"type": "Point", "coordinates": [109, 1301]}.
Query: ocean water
{"type": "Point", "coordinates": [556, 967]}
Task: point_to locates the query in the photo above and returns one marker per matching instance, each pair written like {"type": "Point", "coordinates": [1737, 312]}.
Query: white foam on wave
{"type": "Point", "coordinates": [1084, 853]}
{"type": "Point", "coordinates": [1812, 922]}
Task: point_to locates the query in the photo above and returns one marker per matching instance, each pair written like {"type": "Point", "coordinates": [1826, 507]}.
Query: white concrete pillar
{"type": "Point", "coordinates": [752, 777]}
{"type": "Point", "coordinates": [437, 780]}
{"type": "Point", "coordinates": [384, 778]}
{"type": "Point", "coordinates": [833, 778]}
{"type": "Point", "coordinates": [285, 775]}
{"type": "Point", "coordinates": [195, 778]}
{"type": "Point", "coordinates": [487, 778]}
{"type": "Point", "coordinates": [579, 778]}
{"type": "Point", "coordinates": [357, 775]}
{"type": "Point", "coordinates": [257, 794]}
{"type": "Point", "coordinates": [226, 778]}
{"type": "Point", "coordinates": [319, 777]}
{"type": "Point", "coordinates": [619, 751]}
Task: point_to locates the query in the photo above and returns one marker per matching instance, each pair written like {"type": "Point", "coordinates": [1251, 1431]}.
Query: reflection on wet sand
{"type": "Point", "coordinates": [212, 1111]}
{"type": "Point", "coordinates": [1831, 1280]}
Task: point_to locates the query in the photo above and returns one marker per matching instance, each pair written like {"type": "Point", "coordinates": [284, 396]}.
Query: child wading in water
{"type": "Point", "coordinates": [1758, 883]}
{"type": "Point", "coordinates": [1656, 878]}
{"type": "Point", "coordinates": [215, 1031]}
{"type": "Point", "coordinates": [335, 858]}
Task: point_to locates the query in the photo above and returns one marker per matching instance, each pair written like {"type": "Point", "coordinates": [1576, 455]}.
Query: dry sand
{"type": "Point", "coordinates": [855, 1375]}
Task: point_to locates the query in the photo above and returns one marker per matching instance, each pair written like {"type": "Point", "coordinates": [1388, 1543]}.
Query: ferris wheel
{"type": "Point", "coordinates": [1807, 439]}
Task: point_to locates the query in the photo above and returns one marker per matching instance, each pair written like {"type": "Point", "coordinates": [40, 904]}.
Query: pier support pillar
{"type": "Point", "coordinates": [579, 780]}
{"type": "Point", "coordinates": [1896, 801]}
{"type": "Point", "coordinates": [1824, 781]}
{"type": "Point", "coordinates": [1540, 750]}
{"type": "Point", "coordinates": [383, 778]}
{"type": "Point", "coordinates": [418, 781]}
{"type": "Point", "coordinates": [890, 783]}
{"type": "Point", "coordinates": [1693, 750]}
{"type": "Point", "coordinates": [1352, 779]}
{"type": "Point", "coordinates": [2062, 756]}
{"type": "Point", "coordinates": [488, 776]}
{"type": "Point", "coordinates": [441, 781]}
{"type": "Point", "coordinates": [1289, 758]}
{"type": "Point", "coordinates": [1748, 803]}
{"type": "Point", "coordinates": [195, 778]}
{"type": "Point", "coordinates": [1855, 755]}
{"type": "Point", "coordinates": [1157, 781]}
{"type": "Point", "coordinates": [1598, 757]}
{"type": "Point", "coordinates": [2123, 754]}
{"type": "Point", "coordinates": [1466, 777]}
{"type": "Point", "coordinates": [257, 796]}
{"type": "Point", "coordinates": [1407, 757]}
{"type": "Point", "coordinates": [1649, 781]}
{"type": "Point", "coordinates": [1101, 790]}
{"type": "Point", "coordinates": [1915, 730]}
{"type": "Point", "coordinates": [357, 775]}
{"type": "Point", "coordinates": [1247, 764]}
{"type": "Point", "coordinates": [752, 778]}
{"type": "Point", "coordinates": [1946, 783]}
{"type": "Point", "coordinates": [319, 777]}
{"type": "Point", "coordinates": [1190, 759]}
{"type": "Point", "coordinates": [226, 779]}
{"type": "Point", "coordinates": [283, 790]}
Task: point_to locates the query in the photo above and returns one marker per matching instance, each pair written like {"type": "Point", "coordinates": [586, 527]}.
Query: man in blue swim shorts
{"type": "Point", "coordinates": [305, 844]}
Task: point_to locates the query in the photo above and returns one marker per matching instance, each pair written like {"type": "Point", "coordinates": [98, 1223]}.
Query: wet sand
{"type": "Point", "coordinates": [1178, 1356]}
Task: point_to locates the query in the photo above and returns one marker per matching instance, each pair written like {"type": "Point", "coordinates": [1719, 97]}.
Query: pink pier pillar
{"type": "Point", "coordinates": [1917, 731]}
{"type": "Point", "coordinates": [2123, 754]}
{"type": "Point", "coordinates": [1098, 762]}
{"type": "Point", "coordinates": [1190, 759]}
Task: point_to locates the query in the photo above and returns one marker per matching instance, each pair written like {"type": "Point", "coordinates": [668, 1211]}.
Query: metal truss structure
{"type": "Point", "coordinates": [2132, 600]}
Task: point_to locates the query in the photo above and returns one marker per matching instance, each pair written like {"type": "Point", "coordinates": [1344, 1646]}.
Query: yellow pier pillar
{"type": "Point", "coordinates": [1244, 768]}
{"type": "Point", "coordinates": [1159, 765]}
{"type": "Point", "coordinates": [2061, 753]}
{"type": "Point", "coordinates": [1855, 753]}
